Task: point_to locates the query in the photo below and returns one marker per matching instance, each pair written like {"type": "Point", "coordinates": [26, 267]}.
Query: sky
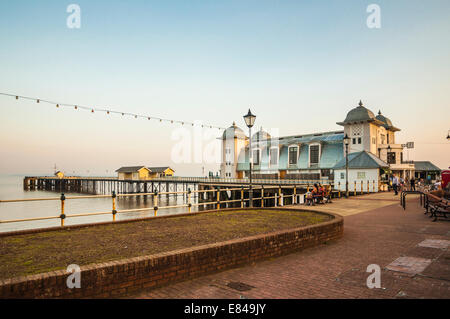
{"type": "Point", "coordinates": [299, 65]}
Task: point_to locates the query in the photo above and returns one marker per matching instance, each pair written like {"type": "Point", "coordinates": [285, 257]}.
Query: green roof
{"type": "Point", "coordinates": [425, 166]}
{"type": "Point", "coordinates": [361, 160]}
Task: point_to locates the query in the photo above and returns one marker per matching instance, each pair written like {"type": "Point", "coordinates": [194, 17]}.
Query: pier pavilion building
{"type": "Point", "coordinates": [374, 153]}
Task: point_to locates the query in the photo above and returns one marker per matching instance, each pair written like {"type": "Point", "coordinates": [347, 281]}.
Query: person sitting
{"type": "Point", "coordinates": [327, 194]}
{"type": "Point", "coordinates": [320, 193]}
{"type": "Point", "coordinates": [312, 196]}
{"type": "Point", "coordinates": [309, 199]}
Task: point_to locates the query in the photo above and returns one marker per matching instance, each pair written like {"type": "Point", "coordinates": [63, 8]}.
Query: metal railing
{"type": "Point", "coordinates": [279, 200]}
{"type": "Point", "coordinates": [300, 182]}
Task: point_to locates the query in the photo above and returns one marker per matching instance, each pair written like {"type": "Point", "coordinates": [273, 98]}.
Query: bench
{"type": "Point", "coordinates": [436, 206]}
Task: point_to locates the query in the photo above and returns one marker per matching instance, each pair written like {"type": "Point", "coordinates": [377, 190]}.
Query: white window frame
{"type": "Point", "coordinates": [253, 157]}
{"type": "Point", "coordinates": [358, 175]}
{"type": "Point", "coordinates": [270, 157]}
{"type": "Point", "coordinates": [309, 153]}
{"type": "Point", "coordinates": [289, 152]}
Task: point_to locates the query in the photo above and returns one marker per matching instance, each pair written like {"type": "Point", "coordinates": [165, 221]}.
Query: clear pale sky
{"type": "Point", "coordinates": [300, 65]}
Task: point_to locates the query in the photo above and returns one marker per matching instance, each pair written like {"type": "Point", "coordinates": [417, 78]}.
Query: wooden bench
{"type": "Point", "coordinates": [436, 206]}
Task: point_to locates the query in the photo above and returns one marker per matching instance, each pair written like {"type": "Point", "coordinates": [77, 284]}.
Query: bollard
{"type": "Point", "coordinates": [155, 202]}
{"type": "Point", "coordinates": [354, 190]}
{"type": "Point", "coordinates": [242, 197]}
{"type": "Point", "coordinates": [189, 200]}
{"type": "Point", "coordinates": [218, 198]}
{"type": "Point", "coordinates": [373, 186]}
{"type": "Point", "coordinates": [280, 203]}
{"type": "Point", "coordinates": [62, 216]}
{"type": "Point", "coordinates": [262, 196]}
{"type": "Point", "coordinates": [339, 189]}
{"type": "Point", "coordinates": [294, 198]}
{"type": "Point", "coordinates": [114, 211]}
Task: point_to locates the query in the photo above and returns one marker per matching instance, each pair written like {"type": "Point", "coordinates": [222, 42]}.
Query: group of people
{"type": "Point", "coordinates": [319, 194]}
{"type": "Point", "coordinates": [399, 183]}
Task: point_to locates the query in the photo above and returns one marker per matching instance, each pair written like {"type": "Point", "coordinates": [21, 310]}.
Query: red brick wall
{"type": "Point", "coordinates": [124, 276]}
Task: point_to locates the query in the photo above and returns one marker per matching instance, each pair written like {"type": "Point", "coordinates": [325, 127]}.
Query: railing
{"type": "Point", "coordinates": [370, 186]}
{"type": "Point", "coordinates": [202, 180]}
{"type": "Point", "coordinates": [279, 199]}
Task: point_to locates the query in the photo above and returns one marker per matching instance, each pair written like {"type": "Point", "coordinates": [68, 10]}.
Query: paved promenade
{"type": "Point", "coordinates": [412, 251]}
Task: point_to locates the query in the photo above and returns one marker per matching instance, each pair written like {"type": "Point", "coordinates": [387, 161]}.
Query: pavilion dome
{"type": "Point", "coordinates": [359, 114]}
{"type": "Point", "coordinates": [261, 135]}
{"type": "Point", "coordinates": [233, 132]}
{"type": "Point", "coordinates": [386, 122]}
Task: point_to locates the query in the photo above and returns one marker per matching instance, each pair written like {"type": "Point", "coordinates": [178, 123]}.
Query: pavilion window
{"type": "Point", "coordinates": [293, 151]}
{"type": "Point", "coordinates": [391, 158]}
{"type": "Point", "coordinates": [256, 157]}
{"type": "Point", "coordinates": [314, 154]}
{"type": "Point", "coordinates": [273, 156]}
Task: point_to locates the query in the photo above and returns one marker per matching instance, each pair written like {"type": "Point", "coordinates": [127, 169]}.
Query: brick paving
{"type": "Point", "coordinates": [338, 269]}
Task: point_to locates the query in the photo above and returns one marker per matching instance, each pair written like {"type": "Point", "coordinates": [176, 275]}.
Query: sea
{"type": "Point", "coordinates": [11, 187]}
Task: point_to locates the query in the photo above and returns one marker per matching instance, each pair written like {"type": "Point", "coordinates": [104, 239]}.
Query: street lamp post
{"type": "Point", "coordinates": [249, 119]}
{"type": "Point", "coordinates": [346, 141]}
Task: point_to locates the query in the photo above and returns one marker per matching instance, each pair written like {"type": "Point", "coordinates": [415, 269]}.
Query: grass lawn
{"type": "Point", "coordinates": [41, 252]}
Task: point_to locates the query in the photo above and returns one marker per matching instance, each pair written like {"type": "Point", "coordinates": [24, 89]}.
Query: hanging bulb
{"type": "Point", "coordinates": [107, 112]}
{"type": "Point", "coordinates": [160, 120]}
{"type": "Point", "coordinates": [123, 114]}
{"type": "Point", "coordinates": [17, 97]}
{"type": "Point", "coordinates": [92, 111]}
{"type": "Point", "coordinates": [148, 118]}
{"type": "Point", "coordinates": [57, 105]}
{"type": "Point", "coordinates": [37, 101]}
{"type": "Point", "coordinates": [76, 107]}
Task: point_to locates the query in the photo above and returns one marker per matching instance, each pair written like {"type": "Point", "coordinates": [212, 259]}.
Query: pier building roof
{"type": "Point", "coordinates": [159, 169]}
{"type": "Point", "coordinates": [425, 166]}
{"type": "Point", "coordinates": [130, 169]}
{"type": "Point", "coordinates": [361, 160]}
{"type": "Point", "coordinates": [360, 114]}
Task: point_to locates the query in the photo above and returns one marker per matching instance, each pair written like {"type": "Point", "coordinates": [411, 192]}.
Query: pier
{"type": "Point", "coordinates": [267, 192]}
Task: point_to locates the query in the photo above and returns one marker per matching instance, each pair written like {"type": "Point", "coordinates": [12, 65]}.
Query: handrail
{"type": "Point", "coordinates": [279, 200]}
{"type": "Point", "coordinates": [196, 180]}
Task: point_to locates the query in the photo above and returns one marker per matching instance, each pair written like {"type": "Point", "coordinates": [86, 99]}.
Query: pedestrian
{"type": "Point", "coordinates": [413, 184]}
{"type": "Point", "coordinates": [437, 185]}
{"type": "Point", "coordinates": [395, 183]}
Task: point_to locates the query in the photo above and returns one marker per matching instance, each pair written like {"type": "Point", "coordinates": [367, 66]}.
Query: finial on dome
{"type": "Point", "coordinates": [360, 103]}
{"type": "Point", "coordinates": [234, 123]}
{"type": "Point", "coordinates": [379, 112]}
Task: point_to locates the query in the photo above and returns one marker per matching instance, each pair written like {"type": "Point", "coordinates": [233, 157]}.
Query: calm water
{"type": "Point", "coordinates": [11, 187]}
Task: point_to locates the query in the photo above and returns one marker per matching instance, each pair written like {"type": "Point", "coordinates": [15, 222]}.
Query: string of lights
{"type": "Point", "coordinates": [107, 111]}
